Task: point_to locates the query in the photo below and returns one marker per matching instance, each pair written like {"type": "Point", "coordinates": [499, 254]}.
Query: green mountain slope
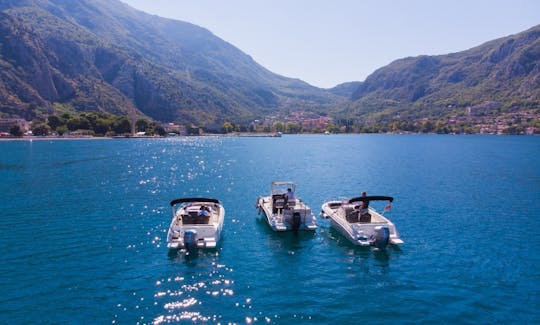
{"type": "Point", "coordinates": [497, 77]}
{"type": "Point", "coordinates": [104, 55]}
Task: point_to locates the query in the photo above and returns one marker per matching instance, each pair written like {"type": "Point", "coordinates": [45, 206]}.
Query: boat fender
{"type": "Point", "coordinates": [380, 237]}
{"type": "Point", "coordinates": [259, 205]}
{"type": "Point", "coordinates": [190, 239]}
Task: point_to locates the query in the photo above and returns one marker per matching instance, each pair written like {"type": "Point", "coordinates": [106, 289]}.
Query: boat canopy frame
{"type": "Point", "coordinates": [193, 199]}
{"type": "Point", "coordinates": [279, 187]}
{"type": "Point", "coordinates": [371, 198]}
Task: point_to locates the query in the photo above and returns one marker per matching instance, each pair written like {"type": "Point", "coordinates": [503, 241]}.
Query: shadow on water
{"type": "Point", "coordinates": [191, 258]}
{"type": "Point", "coordinates": [64, 163]}
{"type": "Point", "coordinates": [284, 239]}
{"type": "Point", "coordinates": [381, 256]}
{"type": "Point", "coordinates": [11, 167]}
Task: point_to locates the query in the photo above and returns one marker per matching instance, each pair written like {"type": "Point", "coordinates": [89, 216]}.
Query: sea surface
{"type": "Point", "coordinates": [83, 228]}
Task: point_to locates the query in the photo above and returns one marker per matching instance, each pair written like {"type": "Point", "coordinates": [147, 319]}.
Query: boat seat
{"type": "Point", "coordinates": [188, 219]}
{"type": "Point", "coordinates": [365, 218]}
{"type": "Point", "coordinates": [203, 220]}
{"type": "Point", "coordinates": [278, 202]}
{"type": "Point", "coordinates": [352, 216]}
{"type": "Point", "coordinates": [291, 204]}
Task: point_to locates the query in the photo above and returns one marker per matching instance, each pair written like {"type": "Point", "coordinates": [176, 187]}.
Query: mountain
{"type": "Point", "coordinates": [345, 89]}
{"type": "Point", "coordinates": [497, 77]}
{"type": "Point", "coordinates": [102, 55]}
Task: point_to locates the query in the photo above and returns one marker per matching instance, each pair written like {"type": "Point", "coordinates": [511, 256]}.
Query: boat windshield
{"type": "Point", "coordinates": [280, 187]}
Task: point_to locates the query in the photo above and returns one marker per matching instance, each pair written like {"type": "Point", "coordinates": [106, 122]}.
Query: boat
{"type": "Point", "coordinates": [196, 223]}
{"type": "Point", "coordinates": [284, 211]}
{"type": "Point", "coordinates": [360, 225]}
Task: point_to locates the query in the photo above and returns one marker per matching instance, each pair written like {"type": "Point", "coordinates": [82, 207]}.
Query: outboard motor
{"type": "Point", "coordinates": [190, 239]}
{"type": "Point", "coordinates": [296, 221]}
{"type": "Point", "coordinates": [380, 237]}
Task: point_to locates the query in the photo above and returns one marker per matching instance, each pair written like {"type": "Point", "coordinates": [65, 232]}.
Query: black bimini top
{"type": "Point", "coordinates": [194, 199]}
{"type": "Point", "coordinates": [371, 198]}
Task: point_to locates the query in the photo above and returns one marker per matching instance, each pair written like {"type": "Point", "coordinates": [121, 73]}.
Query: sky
{"type": "Point", "coordinates": [326, 43]}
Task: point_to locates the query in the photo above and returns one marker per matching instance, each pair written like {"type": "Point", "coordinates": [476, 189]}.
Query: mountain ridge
{"type": "Point", "coordinates": [102, 55]}
{"type": "Point", "coordinates": [169, 70]}
{"type": "Point", "coordinates": [506, 71]}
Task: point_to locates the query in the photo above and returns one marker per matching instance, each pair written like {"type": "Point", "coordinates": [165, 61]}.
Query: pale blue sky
{"type": "Point", "coordinates": [329, 42]}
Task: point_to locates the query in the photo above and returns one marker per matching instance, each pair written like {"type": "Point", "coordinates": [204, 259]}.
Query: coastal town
{"type": "Point", "coordinates": [472, 120]}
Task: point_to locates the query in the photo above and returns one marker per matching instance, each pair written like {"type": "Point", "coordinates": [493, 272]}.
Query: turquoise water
{"type": "Point", "coordinates": [84, 223]}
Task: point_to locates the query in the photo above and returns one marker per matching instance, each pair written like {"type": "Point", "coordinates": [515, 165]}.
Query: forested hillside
{"type": "Point", "coordinates": [70, 57]}
{"type": "Point", "coordinates": [101, 55]}
{"type": "Point", "coordinates": [497, 82]}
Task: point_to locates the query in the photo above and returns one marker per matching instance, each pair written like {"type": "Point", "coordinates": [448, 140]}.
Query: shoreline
{"type": "Point", "coordinates": [32, 138]}
{"type": "Point", "coordinates": [239, 135]}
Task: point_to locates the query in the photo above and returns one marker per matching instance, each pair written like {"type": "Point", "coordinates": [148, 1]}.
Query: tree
{"type": "Point", "coordinates": [514, 129]}
{"type": "Point", "coordinates": [73, 123]}
{"type": "Point", "coordinates": [78, 123]}
{"type": "Point", "coordinates": [92, 118]}
{"type": "Point", "coordinates": [278, 126]}
{"type": "Point", "coordinates": [291, 127]}
{"type": "Point", "coordinates": [394, 126]}
{"type": "Point", "coordinates": [16, 130]}
{"type": "Point", "coordinates": [101, 126]}
{"type": "Point", "coordinates": [122, 126]}
{"type": "Point", "coordinates": [54, 121]}
{"type": "Point", "coordinates": [40, 129]}
{"type": "Point", "coordinates": [159, 130]}
{"type": "Point", "coordinates": [332, 128]}
{"type": "Point", "coordinates": [141, 125]}
{"type": "Point", "coordinates": [62, 129]}
{"type": "Point", "coordinates": [227, 127]}
{"type": "Point", "coordinates": [441, 127]}
{"type": "Point", "coordinates": [426, 127]}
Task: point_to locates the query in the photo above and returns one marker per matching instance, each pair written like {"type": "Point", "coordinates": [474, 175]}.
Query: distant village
{"type": "Point", "coordinates": [476, 119]}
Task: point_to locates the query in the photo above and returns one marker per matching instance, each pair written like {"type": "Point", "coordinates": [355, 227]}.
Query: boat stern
{"type": "Point", "coordinates": [396, 240]}
{"type": "Point", "coordinates": [199, 243]}
{"type": "Point", "coordinates": [174, 245]}
{"type": "Point", "coordinates": [279, 226]}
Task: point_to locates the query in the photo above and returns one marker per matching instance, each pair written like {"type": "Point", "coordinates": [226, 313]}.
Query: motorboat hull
{"type": "Point", "coordinates": [189, 230]}
{"type": "Point", "coordinates": [360, 233]}
{"type": "Point", "coordinates": [283, 219]}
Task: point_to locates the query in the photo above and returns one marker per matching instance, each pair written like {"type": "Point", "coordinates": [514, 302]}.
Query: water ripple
{"type": "Point", "coordinates": [84, 225]}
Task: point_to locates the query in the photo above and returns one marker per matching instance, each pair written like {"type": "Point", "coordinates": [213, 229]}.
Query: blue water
{"type": "Point", "coordinates": [84, 223]}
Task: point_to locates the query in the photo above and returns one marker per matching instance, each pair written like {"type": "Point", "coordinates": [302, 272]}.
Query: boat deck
{"type": "Point", "coordinates": [190, 216]}
{"type": "Point", "coordinates": [354, 216]}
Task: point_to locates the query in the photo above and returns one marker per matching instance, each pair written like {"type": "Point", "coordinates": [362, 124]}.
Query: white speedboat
{"type": "Point", "coordinates": [362, 226]}
{"type": "Point", "coordinates": [284, 211]}
{"type": "Point", "coordinates": [196, 223]}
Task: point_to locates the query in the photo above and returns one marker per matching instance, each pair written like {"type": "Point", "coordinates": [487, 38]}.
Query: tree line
{"type": "Point", "coordinates": [94, 124]}
{"type": "Point", "coordinates": [349, 126]}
